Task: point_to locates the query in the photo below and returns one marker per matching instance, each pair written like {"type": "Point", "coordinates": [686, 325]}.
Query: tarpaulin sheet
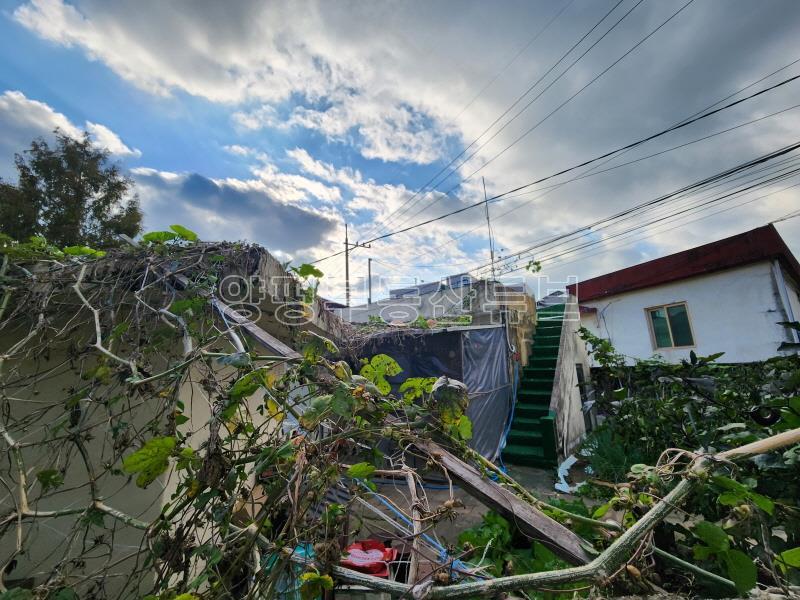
{"type": "Point", "coordinates": [486, 374]}
{"type": "Point", "coordinates": [419, 353]}
{"type": "Point", "coordinates": [478, 357]}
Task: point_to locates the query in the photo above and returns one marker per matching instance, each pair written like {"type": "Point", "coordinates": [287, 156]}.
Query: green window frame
{"type": "Point", "coordinates": [670, 326]}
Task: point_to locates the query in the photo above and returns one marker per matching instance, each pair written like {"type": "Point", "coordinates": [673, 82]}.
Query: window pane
{"type": "Point", "coordinates": [660, 328]}
{"type": "Point", "coordinates": [679, 322]}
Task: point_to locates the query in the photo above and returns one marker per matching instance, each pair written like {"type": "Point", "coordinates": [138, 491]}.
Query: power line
{"type": "Point", "coordinates": [514, 58]}
{"type": "Point", "coordinates": [632, 212]}
{"type": "Point", "coordinates": [592, 172]}
{"type": "Point", "coordinates": [572, 168]}
{"type": "Point", "coordinates": [583, 256]}
{"type": "Point", "coordinates": [539, 95]}
{"type": "Point", "coordinates": [519, 99]}
{"type": "Point", "coordinates": [587, 230]}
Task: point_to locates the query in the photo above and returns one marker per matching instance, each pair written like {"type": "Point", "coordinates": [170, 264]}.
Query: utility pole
{"type": "Point", "coordinates": [489, 226]}
{"type": "Point", "coordinates": [369, 279]}
{"type": "Point", "coordinates": [346, 267]}
{"type": "Point", "coordinates": [347, 246]}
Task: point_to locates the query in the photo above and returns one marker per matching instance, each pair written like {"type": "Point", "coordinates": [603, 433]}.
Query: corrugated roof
{"type": "Point", "coordinates": [764, 243]}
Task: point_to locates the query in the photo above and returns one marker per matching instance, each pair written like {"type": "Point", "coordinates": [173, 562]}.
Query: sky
{"type": "Point", "coordinates": [280, 122]}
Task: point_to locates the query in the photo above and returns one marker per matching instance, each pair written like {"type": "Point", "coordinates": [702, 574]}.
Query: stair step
{"type": "Point", "coordinates": [532, 393]}
{"type": "Point", "coordinates": [540, 371]}
{"type": "Point", "coordinates": [526, 456]}
{"type": "Point", "coordinates": [538, 381]}
{"type": "Point", "coordinates": [525, 423]}
{"type": "Point", "coordinates": [531, 411]}
{"type": "Point", "coordinates": [524, 437]}
{"type": "Point", "coordinates": [541, 361]}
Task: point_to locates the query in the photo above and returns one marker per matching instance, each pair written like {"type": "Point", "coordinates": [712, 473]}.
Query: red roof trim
{"type": "Point", "coordinates": [764, 243]}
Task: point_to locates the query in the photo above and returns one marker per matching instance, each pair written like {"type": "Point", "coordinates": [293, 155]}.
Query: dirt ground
{"type": "Point", "coordinates": [540, 482]}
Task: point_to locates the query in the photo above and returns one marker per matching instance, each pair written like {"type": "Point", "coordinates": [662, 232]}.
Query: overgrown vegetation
{"type": "Point", "coordinates": [171, 457]}
{"type": "Point", "coordinates": [153, 451]}
{"type": "Point", "coordinates": [745, 523]}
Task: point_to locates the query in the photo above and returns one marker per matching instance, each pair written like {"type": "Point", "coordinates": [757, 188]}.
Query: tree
{"type": "Point", "coordinates": [69, 193]}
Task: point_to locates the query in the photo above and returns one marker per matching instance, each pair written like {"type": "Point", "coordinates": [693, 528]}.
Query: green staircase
{"type": "Point", "coordinates": [532, 438]}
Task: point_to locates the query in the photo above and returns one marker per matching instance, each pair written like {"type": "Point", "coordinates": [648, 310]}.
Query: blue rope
{"type": "Point", "coordinates": [443, 555]}
{"type": "Point", "coordinates": [510, 417]}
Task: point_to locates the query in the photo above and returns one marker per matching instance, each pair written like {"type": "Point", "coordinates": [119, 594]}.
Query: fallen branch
{"type": "Point", "coordinates": [607, 563]}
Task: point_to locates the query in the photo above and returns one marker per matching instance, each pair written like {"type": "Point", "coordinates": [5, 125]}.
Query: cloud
{"type": "Point", "coordinates": [239, 150]}
{"type": "Point", "coordinates": [256, 56]}
{"type": "Point", "coordinates": [23, 119]}
{"type": "Point", "coordinates": [222, 210]}
{"type": "Point", "coordinates": [105, 138]}
{"type": "Point", "coordinates": [413, 83]}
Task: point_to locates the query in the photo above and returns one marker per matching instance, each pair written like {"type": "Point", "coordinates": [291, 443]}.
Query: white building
{"type": "Point", "coordinates": [455, 296]}
{"type": "Point", "coordinates": [727, 296]}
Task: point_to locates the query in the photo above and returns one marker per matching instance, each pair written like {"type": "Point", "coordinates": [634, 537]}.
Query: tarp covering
{"type": "Point", "coordinates": [486, 374]}
{"type": "Point", "coordinates": [477, 356]}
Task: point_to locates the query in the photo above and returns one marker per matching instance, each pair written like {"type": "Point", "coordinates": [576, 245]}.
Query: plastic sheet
{"type": "Point", "coordinates": [476, 356]}
{"type": "Point", "coordinates": [486, 374]}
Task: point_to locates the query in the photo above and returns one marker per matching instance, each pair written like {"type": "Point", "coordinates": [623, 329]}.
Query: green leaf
{"type": "Point", "coordinates": [17, 594]}
{"type": "Point", "coordinates": [713, 535]}
{"type": "Point", "coordinates": [248, 384]}
{"type": "Point", "coordinates": [50, 479]}
{"type": "Point", "coordinates": [316, 346]}
{"type": "Point", "coordinates": [415, 387]}
{"type": "Point", "coordinates": [83, 251]}
{"type": "Point", "coordinates": [464, 427]}
{"type": "Point", "coordinates": [702, 552]}
{"type": "Point", "coordinates": [762, 502]}
{"type": "Point", "coordinates": [94, 517]}
{"type": "Point", "coordinates": [741, 570]}
{"type": "Point", "coordinates": [360, 470]}
{"type": "Point", "coordinates": [183, 233]}
{"type": "Point", "coordinates": [378, 368]}
{"type": "Point", "coordinates": [151, 460]}
{"type": "Point", "coordinates": [313, 584]}
{"type": "Point", "coordinates": [184, 305]}
{"type": "Point", "coordinates": [789, 558]}
{"type": "Point", "coordinates": [731, 498]}
{"type": "Point", "coordinates": [64, 593]}
{"type": "Point", "coordinates": [305, 271]}
{"type": "Point", "coordinates": [159, 237]}
{"type": "Point", "coordinates": [342, 402]}
{"type": "Point", "coordinates": [730, 484]}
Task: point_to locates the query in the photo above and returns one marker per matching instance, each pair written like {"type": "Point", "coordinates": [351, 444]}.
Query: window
{"type": "Point", "coordinates": [670, 326]}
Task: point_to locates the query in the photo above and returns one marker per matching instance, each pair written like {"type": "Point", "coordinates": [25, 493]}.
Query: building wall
{"type": "Point", "coordinates": [477, 300]}
{"type": "Point", "coordinates": [565, 401]}
{"type": "Point", "coordinates": [48, 541]}
{"type": "Point", "coordinates": [793, 293]}
{"type": "Point", "coordinates": [734, 311]}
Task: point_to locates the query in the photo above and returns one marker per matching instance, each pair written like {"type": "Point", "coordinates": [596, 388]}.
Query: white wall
{"type": "Point", "coordinates": [733, 311]}
{"type": "Point", "coordinates": [793, 292]}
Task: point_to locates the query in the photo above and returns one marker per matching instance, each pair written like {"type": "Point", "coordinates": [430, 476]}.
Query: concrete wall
{"type": "Point", "coordinates": [733, 311]}
{"type": "Point", "coordinates": [565, 401]}
{"type": "Point", "coordinates": [49, 541]}
{"type": "Point", "coordinates": [793, 298]}
{"type": "Point", "coordinates": [478, 300]}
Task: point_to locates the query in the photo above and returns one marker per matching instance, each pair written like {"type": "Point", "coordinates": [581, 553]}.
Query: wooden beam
{"type": "Point", "coordinates": [530, 521]}
{"type": "Point", "coordinates": [258, 334]}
